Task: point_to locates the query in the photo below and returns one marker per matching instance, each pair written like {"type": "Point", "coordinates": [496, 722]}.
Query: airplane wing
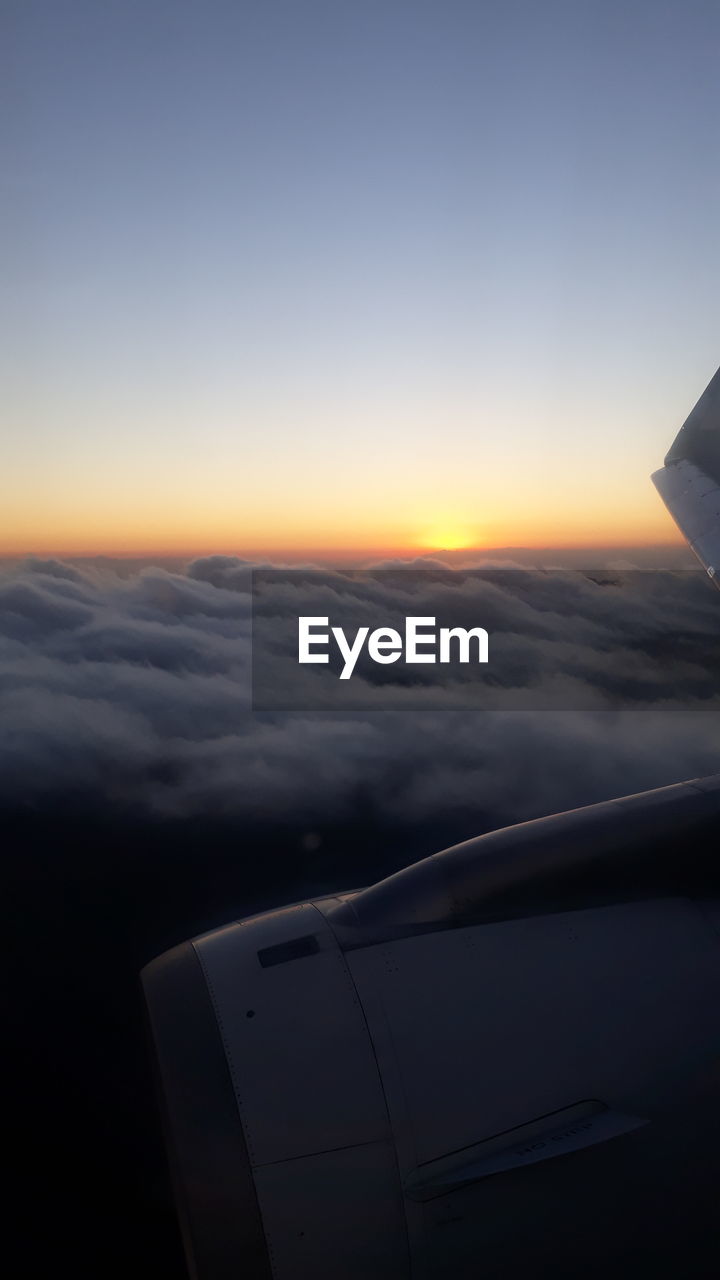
{"type": "Point", "coordinates": [689, 482]}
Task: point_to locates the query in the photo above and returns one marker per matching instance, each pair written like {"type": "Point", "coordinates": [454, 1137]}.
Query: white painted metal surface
{"type": "Point", "coordinates": [481, 1030]}
{"type": "Point", "coordinates": [693, 500]}
{"type": "Point", "coordinates": [310, 1099]}
{"type": "Point", "coordinates": [377, 1089]}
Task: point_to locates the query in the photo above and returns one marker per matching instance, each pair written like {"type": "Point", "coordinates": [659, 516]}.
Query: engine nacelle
{"type": "Point", "coordinates": [501, 1061]}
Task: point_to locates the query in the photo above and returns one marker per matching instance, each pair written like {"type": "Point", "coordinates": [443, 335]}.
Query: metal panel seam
{"type": "Point", "coordinates": [361, 1007]}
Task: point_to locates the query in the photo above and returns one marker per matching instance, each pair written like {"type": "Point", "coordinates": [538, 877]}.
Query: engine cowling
{"type": "Point", "coordinates": [520, 1077]}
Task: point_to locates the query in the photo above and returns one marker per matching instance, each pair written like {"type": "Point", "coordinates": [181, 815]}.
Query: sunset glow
{"type": "Point", "coordinates": [57, 531]}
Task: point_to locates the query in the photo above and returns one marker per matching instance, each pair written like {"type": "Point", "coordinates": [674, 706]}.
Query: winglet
{"type": "Point", "coordinates": [689, 482]}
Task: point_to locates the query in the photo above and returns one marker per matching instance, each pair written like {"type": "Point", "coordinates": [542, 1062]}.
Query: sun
{"type": "Point", "coordinates": [446, 537]}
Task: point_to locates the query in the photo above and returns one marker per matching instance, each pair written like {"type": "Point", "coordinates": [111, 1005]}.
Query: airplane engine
{"type": "Point", "coordinates": [500, 1061]}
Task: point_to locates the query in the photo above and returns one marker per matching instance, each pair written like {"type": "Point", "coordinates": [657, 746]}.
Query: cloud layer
{"type": "Point", "coordinates": [133, 692]}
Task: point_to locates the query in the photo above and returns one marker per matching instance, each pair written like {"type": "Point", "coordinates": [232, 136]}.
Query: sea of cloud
{"type": "Point", "coordinates": [131, 691]}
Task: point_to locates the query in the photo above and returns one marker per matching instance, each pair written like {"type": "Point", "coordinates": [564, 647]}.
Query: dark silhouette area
{"type": "Point", "coordinates": [90, 898]}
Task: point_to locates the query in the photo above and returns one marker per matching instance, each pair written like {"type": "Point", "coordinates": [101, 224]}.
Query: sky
{"type": "Point", "coordinates": [285, 277]}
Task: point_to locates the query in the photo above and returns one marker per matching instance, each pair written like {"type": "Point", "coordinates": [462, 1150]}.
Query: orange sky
{"type": "Point", "coordinates": [394, 481]}
{"type": "Point", "coordinates": [117, 534]}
